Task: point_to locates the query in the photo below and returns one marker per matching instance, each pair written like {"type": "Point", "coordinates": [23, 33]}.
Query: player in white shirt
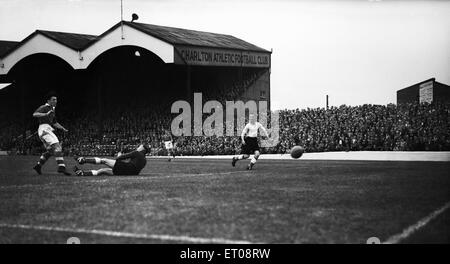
{"type": "Point", "coordinates": [169, 145]}
{"type": "Point", "coordinates": [250, 145]}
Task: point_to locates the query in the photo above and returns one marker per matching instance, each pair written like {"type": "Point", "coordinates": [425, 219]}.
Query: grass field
{"type": "Point", "coordinates": [208, 201]}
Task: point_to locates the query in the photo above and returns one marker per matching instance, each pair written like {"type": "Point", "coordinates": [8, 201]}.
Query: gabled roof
{"type": "Point", "coordinates": [171, 35]}
{"type": "Point", "coordinates": [180, 36]}
{"type": "Point", "coordinates": [187, 37]}
{"type": "Point", "coordinates": [71, 40]}
{"type": "Point", "coordinates": [163, 41]}
{"type": "Point", "coordinates": [6, 46]}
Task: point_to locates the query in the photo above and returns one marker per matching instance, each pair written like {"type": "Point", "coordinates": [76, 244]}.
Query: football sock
{"type": "Point", "coordinates": [44, 157]}
{"type": "Point", "coordinates": [93, 160]}
{"type": "Point", "coordinates": [253, 161]}
{"type": "Point", "coordinates": [59, 160]}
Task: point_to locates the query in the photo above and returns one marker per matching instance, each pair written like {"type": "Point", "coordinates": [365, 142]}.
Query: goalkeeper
{"type": "Point", "coordinates": [127, 164]}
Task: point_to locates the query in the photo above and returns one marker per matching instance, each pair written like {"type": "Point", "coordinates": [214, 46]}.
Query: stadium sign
{"type": "Point", "coordinates": [221, 57]}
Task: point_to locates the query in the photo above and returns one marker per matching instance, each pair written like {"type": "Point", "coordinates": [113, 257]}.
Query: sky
{"type": "Point", "coordinates": [356, 51]}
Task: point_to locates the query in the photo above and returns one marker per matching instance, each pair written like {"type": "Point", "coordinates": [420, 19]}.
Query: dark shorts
{"type": "Point", "coordinates": [250, 146]}
{"type": "Point", "coordinates": [124, 168]}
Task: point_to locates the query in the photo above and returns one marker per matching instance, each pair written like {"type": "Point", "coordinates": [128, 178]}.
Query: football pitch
{"type": "Point", "coordinates": [209, 201]}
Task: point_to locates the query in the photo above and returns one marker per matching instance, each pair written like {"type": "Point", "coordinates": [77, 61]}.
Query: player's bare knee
{"type": "Point", "coordinates": [257, 154]}
{"type": "Point", "coordinates": [57, 148]}
{"type": "Point", "coordinates": [246, 156]}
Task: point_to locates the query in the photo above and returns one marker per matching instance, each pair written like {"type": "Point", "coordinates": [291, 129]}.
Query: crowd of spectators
{"type": "Point", "coordinates": [410, 127]}
{"type": "Point", "coordinates": [125, 123]}
{"type": "Point", "coordinates": [367, 127]}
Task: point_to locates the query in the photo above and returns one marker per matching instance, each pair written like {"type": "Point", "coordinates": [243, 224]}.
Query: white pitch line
{"type": "Point", "coordinates": [128, 235]}
{"type": "Point", "coordinates": [413, 228]}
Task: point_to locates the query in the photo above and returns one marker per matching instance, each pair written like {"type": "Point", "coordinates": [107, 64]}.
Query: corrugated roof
{"type": "Point", "coordinates": [179, 36]}
{"type": "Point", "coordinates": [5, 46]}
{"type": "Point", "coordinates": [71, 40]}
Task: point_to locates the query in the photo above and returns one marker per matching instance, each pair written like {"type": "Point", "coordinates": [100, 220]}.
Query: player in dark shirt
{"type": "Point", "coordinates": [46, 115]}
{"type": "Point", "coordinates": [127, 164]}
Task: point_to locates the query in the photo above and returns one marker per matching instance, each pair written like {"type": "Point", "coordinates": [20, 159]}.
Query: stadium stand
{"type": "Point", "coordinates": [411, 127]}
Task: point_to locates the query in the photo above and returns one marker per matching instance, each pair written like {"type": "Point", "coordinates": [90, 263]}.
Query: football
{"type": "Point", "coordinates": [297, 152]}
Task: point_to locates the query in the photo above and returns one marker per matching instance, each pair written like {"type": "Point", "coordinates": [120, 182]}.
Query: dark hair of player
{"type": "Point", "coordinates": [49, 95]}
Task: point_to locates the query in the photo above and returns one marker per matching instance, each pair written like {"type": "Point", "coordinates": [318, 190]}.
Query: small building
{"type": "Point", "coordinates": [427, 91]}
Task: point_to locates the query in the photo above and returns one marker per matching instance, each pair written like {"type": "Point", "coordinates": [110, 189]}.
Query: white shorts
{"type": "Point", "coordinates": [168, 144]}
{"type": "Point", "coordinates": [47, 136]}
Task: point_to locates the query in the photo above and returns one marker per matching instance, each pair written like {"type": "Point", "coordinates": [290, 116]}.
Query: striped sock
{"type": "Point", "coordinates": [60, 162]}
{"type": "Point", "coordinates": [253, 161]}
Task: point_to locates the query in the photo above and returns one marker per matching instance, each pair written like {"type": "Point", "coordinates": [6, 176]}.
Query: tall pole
{"type": "Point", "coordinates": [327, 101]}
{"type": "Point", "coordinates": [121, 18]}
